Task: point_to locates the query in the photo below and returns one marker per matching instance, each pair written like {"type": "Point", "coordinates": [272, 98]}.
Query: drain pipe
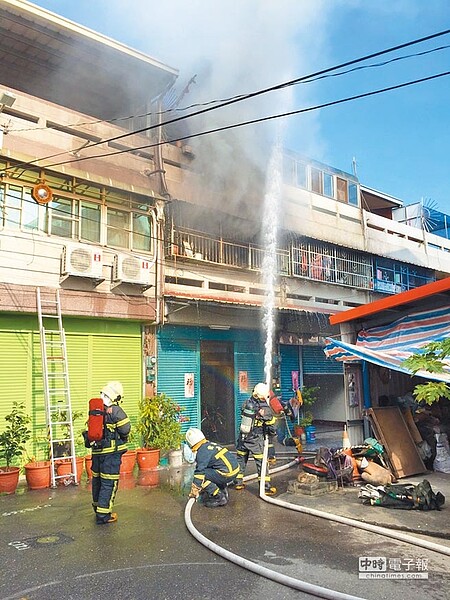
{"type": "Point", "coordinates": [401, 537]}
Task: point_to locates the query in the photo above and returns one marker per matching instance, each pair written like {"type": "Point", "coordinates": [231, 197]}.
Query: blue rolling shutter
{"type": "Point", "coordinates": [247, 358]}
{"type": "Point", "coordinates": [289, 362]}
{"type": "Point", "coordinates": [177, 356]}
{"type": "Point", "coordinates": [315, 362]}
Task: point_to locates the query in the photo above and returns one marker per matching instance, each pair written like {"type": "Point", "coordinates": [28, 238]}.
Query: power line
{"type": "Point", "coordinates": [258, 93]}
{"type": "Point", "coordinates": [210, 102]}
{"type": "Point", "coordinates": [260, 120]}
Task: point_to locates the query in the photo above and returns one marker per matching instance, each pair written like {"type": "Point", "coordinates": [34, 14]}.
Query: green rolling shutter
{"type": "Point", "coordinates": [98, 351]}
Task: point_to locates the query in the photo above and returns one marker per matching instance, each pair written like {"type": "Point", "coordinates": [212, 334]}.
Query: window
{"type": "Point", "coordinates": [62, 218]}
{"type": "Point", "coordinates": [18, 209]}
{"type": "Point", "coordinates": [90, 222]}
{"type": "Point", "coordinates": [328, 187]}
{"type": "Point", "coordinates": [142, 231]}
{"type": "Point", "coordinates": [117, 228]}
{"type": "Point", "coordinates": [341, 191]}
{"type": "Point", "coordinates": [316, 181]}
{"type": "Point", "coordinates": [288, 171]}
{"type": "Point", "coordinates": [353, 194]}
{"type": "Point", "coordinates": [301, 179]}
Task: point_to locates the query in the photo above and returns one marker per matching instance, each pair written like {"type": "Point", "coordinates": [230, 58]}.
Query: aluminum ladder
{"type": "Point", "coordinates": [55, 374]}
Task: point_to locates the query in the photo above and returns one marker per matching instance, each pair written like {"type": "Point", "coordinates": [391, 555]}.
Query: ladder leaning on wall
{"type": "Point", "coordinates": [55, 374]}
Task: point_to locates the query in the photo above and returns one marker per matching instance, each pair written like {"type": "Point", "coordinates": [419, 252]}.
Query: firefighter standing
{"type": "Point", "coordinates": [257, 421]}
{"type": "Point", "coordinates": [106, 459]}
{"type": "Point", "coordinates": [216, 467]}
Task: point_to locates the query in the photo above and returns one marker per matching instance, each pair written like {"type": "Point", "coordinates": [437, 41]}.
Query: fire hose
{"type": "Point", "coordinates": [286, 580]}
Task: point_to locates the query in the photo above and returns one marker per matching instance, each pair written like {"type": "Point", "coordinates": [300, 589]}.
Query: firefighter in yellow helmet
{"type": "Point", "coordinates": [257, 421]}
{"type": "Point", "coordinates": [107, 455]}
{"type": "Point", "coordinates": [215, 468]}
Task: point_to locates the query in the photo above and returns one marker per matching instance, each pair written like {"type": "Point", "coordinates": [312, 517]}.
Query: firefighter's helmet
{"type": "Point", "coordinates": [112, 392]}
{"type": "Point", "coordinates": [194, 436]}
{"type": "Point", "coordinates": [261, 391]}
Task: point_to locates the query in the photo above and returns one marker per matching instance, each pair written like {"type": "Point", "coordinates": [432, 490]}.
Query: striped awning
{"type": "Point", "coordinates": [389, 345]}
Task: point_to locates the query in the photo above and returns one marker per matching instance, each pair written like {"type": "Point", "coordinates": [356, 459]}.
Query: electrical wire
{"type": "Point", "coordinates": [237, 96]}
{"type": "Point", "coordinates": [255, 121]}
{"type": "Point", "coordinates": [258, 93]}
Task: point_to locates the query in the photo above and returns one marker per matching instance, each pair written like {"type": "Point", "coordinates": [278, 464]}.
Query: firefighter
{"type": "Point", "coordinates": [257, 421]}
{"type": "Point", "coordinates": [216, 467]}
{"type": "Point", "coordinates": [106, 458]}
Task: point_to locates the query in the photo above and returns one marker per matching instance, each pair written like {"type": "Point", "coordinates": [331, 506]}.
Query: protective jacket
{"type": "Point", "coordinates": [253, 443]}
{"type": "Point", "coordinates": [265, 421]}
{"type": "Point", "coordinates": [117, 429]}
{"type": "Point", "coordinates": [212, 457]}
{"type": "Point", "coordinates": [106, 462]}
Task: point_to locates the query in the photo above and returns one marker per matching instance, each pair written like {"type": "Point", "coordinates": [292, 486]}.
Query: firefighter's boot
{"type": "Point", "coordinates": [217, 500]}
{"type": "Point", "coordinates": [270, 490]}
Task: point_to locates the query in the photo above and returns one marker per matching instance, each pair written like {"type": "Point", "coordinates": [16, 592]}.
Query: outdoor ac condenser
{"type": "Point", "coordinates": [132, 269]}
{"type": "Point", "coordinates": [82, 261]}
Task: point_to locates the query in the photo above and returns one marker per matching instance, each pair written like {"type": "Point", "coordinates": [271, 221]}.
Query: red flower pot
{"type": "Point", "coordinates": [128, 462]}
{"type": "Point", "coordinates": [9, 478]}
{"type": "Point", "coordinates": [38, 475]}
{"type": "Point", "coordinates": [147, 458]}
{"type": "Point", "coordinates": [88, 466]}
{"type": "Point", "coordinates": [148, 477]}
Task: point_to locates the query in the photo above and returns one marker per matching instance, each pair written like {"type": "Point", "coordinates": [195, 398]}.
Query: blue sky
{"type": "Point", "coordinates": [400, 139]}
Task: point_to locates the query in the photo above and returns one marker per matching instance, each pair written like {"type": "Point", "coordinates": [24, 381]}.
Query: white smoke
{"type": "Point", "coordinates": [234, 47]}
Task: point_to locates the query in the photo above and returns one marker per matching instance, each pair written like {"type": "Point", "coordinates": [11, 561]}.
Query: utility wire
{"type": "Point", "coordinates": [260, 120]}
{"type": "Point", "coordinates": [260, 92]}
{"type": "Point", "coordinates": [210, 102]}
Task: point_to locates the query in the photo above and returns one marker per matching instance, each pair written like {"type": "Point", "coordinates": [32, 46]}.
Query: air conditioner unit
{"type": "Point", "coordinates": [132, 269]}
{"type": "Point", "coordinates": [82, 261]}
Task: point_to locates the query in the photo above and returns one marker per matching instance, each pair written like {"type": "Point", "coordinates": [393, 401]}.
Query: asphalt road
{"type": "Point", "coordinates": [50, 547]}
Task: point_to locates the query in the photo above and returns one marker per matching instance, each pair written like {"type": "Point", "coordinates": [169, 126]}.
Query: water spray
{"type": "Point", "coordinates": [272, 200]}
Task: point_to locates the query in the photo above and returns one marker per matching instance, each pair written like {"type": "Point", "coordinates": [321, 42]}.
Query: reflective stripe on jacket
{"type": "Point", "coordinates": [212, 456]}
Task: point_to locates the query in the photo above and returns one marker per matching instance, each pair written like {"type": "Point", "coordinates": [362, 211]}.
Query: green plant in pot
{"type": "Point", "coordinates": [309, 396]}
{"type": "Point", "coordinates": [12, 446]}
{"type": "Point", "coordinates": [158, 426]}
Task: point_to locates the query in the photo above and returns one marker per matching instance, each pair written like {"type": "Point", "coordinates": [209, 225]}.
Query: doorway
{"type": "Point", "coordinates": [217, 391]}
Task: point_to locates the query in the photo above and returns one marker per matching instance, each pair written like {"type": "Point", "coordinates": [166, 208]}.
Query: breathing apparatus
{"type": "Point", "coordinates": [251, 407]}
{"type": "Point", "coordinates": [248, 416]}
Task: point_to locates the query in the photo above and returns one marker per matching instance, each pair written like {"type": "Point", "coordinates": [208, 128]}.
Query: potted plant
{"type": "Point", "coordinates": [159, 428]}
{"type": "Point", "coordinates": [305, 415]}
{"type": "Point", "coordinates": [12, 445]}
{"type": "Point", "coordinates": [62, 449]}
{"type": "Point", "coordinates": [38, 470]}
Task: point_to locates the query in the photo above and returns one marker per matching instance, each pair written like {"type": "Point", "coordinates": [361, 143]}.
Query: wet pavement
{"type": "Point", "coordinates": [50, 546]}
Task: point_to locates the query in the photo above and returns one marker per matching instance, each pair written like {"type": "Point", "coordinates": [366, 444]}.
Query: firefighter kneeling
{"type": "Point", "coordinates": [216, 467]}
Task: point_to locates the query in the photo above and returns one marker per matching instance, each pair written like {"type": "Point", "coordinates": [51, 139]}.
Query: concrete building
{"type": "Point", "coordinates": [161, 277]}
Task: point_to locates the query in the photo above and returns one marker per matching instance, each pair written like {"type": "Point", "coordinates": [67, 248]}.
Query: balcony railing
{"type": "Point", "coordinates": [308, 260]}
{"type": "Point", "coordinates": [218, 251]}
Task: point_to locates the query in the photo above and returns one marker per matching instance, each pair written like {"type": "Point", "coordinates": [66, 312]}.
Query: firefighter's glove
{"type": "Point", "coordinates": [195, 491]}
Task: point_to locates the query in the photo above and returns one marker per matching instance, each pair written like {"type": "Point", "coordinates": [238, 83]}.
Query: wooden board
{"type": "Point", "coordinates": [391, 431]}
